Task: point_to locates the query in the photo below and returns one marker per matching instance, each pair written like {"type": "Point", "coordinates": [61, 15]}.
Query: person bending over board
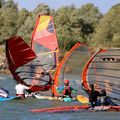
{"type": "Point", "coordinates": [20, 90]}
{"type": "Point", "coordinates": [66, 90]}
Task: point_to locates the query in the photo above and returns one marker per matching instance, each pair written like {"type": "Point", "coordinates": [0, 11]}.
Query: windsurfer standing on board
{"type": "Point", "coordinates": [66, 90]}
{"type": "Point", "coordinates": [20, 90]}
{"type": "Point", "coordinates": [93, 95]}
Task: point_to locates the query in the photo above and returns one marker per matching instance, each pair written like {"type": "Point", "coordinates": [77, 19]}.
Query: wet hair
{"type": "Point", "coordinates": [92, 86]}
{"type": "Point", "coordinates": [103, 93]}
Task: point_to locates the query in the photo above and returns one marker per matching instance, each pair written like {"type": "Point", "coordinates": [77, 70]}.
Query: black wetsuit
{"type": "Point", "coordinates": [93, 97]}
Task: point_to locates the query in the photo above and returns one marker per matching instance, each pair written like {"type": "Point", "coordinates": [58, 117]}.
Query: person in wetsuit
{"type": "Point", "coordinates": [66, 90]}
{"type": "Point", "coordinates": [105, 100]}
{"type": "Point", "coordinates": [93, 95]}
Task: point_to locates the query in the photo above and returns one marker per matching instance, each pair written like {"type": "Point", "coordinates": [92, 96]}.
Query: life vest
{"type": "Point", "coordinates": [66, 91]}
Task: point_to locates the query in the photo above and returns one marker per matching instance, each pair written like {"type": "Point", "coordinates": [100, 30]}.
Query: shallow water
{"type": "Point", "coordinates": [19, 109]}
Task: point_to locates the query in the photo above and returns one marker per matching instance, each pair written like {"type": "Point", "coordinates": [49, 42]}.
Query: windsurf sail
{"type": "Point", "coordinates": [71, 67]}
{"type": "Point", "coordinates": [103, 70]}
{"type": "Point", "coordinates": [18, 53]}
{"type": "Point", "coordinates": [4, 93]}
{"type": "Point", "coordinates": [20, 58]}
{"type": "Point", "coordinates": [44, 43]}
{"type": "Point", "coordinates": [43, 61]}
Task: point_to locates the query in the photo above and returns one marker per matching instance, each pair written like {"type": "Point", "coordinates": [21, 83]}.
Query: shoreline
{"type": "Point", "coordinates": [6, 72]}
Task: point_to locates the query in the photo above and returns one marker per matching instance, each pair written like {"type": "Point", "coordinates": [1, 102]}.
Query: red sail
{"type": "Point", "coordinates": [18, 54]}
{"type": "Point", "coordinates": [34, 68]}
{"type": "Point", "coordinates": [20, 58]}
{"type": "Point", "coordinates": [44, 42]}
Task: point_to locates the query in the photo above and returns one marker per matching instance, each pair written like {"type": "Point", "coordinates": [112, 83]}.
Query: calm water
{"type": "Point", "coordinates": [19, 109]}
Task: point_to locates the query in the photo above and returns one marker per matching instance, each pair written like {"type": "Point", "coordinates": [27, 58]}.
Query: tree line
{"type": "Point", "coordinates": [85, 24]}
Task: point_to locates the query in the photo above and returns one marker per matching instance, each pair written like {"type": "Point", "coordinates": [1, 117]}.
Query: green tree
{"type": "Point", "coordinates": [8, 17]}
{"type": "Point", "coordinates": [63, 27]}
{"type": "Point", "coordinates": [27, 28]}
{"type": "Point", "coordinates": [41, 9]}
{"type": "Point", "coordinates": [25, 31]}
{"type": "Point", "coordinates": [22, 15]}
{"type": "Point", "coordinates": [90, 16]}
{"type": "Point", "coordinates": [2, 2]}
{"type": "Point", "coordinates": [108, 30]}
{"type": "Point", "coordinates": [76, 24]}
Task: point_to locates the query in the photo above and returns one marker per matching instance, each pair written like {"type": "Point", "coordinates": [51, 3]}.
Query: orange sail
{"type": "Point", "coordinates": [71, 67]}
{"type": "Point", "coordinates": [103, 70]}
{"type": "Point", "coordinates": [44, 43]}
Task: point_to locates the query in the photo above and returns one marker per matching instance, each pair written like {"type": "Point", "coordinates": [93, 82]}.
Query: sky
{"type": "Point", "coordinates": [103, 5]}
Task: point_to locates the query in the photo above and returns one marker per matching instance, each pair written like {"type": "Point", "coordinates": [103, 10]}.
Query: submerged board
{"type": "Point", "coordinates": [9, 98]}
{"type": "Point", "coordinates": [67, 99]}
{"type": "Point", "coordinates": [77, 108]}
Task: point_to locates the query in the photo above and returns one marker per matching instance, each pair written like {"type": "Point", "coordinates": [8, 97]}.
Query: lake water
{"type": "Point", "coordinates": [19, 109]}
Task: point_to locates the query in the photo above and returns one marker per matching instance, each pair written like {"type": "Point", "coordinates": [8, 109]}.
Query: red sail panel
{"type": "Point", "coordinates": [44, 33]}
{"type": "Point", "coordinates": [44, 43]}
{"type": "Point", "coordinates": [71, 67]}
{"type": "Point", "coordinates": [18, 52]}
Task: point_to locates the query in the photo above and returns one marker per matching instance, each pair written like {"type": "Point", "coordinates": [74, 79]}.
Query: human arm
{"type": "Point", "coordinates": [28, 89]}
{"type": "Point", "coordinates": [60, 89]}
{"type": "Point", "coordinates": [83, 87]}
{"type": "Point", "coordinates": [73, 90]}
